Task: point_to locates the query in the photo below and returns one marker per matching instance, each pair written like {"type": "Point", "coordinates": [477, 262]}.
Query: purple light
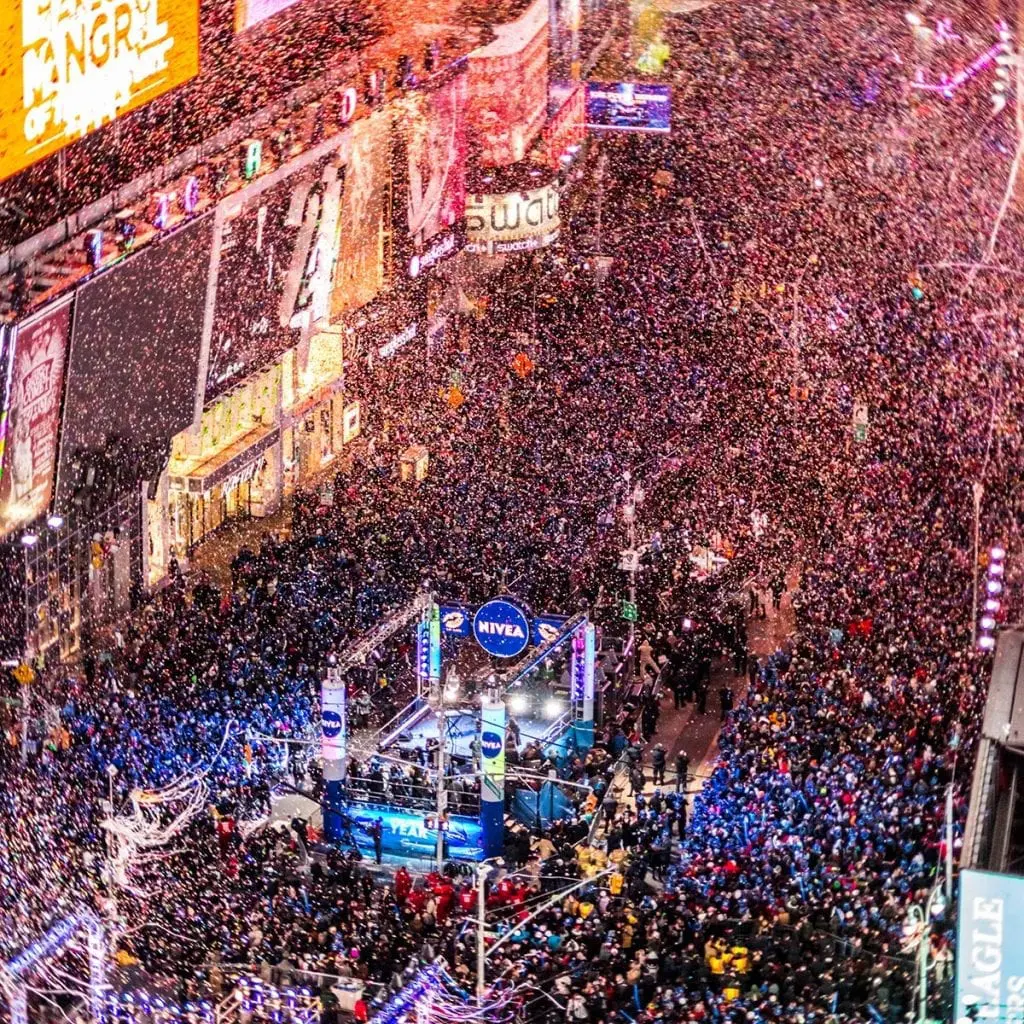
{"type": "Point", "coordinates": [947, 86]}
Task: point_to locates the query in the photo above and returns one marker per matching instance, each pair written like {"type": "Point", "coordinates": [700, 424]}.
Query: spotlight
{"type": "Point", "coordinates": [518, 703]}
{"type": "Point", "coordinates": [552, 708]}
{"type": "Point", "coordinates": [28, 539]}
{"type": "Point", "coordinates": [986, 643]}
{"type": "Point", "coordinates": [994, 587]}
{"type": "Point", "coordinates": [55, 522]}
{"type": "Point", "coordinates": [997, 553]}
{"type": "Point", "coordinates": [992, 605]}
{"type": "Point", "coordinates": [987, 622]}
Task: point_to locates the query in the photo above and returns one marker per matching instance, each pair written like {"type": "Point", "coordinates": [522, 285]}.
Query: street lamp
{"type": "Point", "coordinates": [482, 871]}
{"type": "Point", "coordinates": [919, 923]}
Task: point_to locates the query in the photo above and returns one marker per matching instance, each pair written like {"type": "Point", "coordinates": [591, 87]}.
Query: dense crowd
{"type": "Point", "coordinates": [718, 367]}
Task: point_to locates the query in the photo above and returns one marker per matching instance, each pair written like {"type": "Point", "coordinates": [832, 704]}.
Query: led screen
{"type": "Point", "coordinates": [133, 368]}
{"type": "Point", "coordinates": [628, 107]}
{"type": "Point", "coordinates": [989, 955]}
{"type": "Point", "coordinates": [69, 67]}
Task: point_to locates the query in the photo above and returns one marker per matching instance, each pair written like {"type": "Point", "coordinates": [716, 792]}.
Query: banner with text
{"type": "Point", "coordinates": [69, 68]}
{"type": "Point", "coordinates": [33, 416]}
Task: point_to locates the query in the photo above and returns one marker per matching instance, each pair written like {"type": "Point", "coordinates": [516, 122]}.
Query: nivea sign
{"type": "Point", "coordinates": [491, 744]}
{"type": "Point", "coordinates": [331, 724]}
{"type": "Point", "coordinates": [501, 628]}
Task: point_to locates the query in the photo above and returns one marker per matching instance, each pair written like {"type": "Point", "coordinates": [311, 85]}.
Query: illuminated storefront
{"type": "Point", "coordinates": [313, 407]}
{"type": "Point", "coordinates": [227, 468]}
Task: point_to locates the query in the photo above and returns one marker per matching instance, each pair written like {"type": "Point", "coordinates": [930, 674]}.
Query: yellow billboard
{"type": "Point", "coordinates": [69, 66]}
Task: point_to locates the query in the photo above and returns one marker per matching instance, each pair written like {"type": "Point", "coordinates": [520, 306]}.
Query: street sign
{"type": "Point", "coordinates": [629, 611]}
{"type": "Point", "coordinates": [860, 432]}
{"type": "Point", "coordinates": [629, 560]}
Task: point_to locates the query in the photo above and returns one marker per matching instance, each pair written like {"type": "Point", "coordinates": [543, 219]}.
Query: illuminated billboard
{"type": "Point", "coordinates": [33, 416]}
{"type": "Point", "coordinates": [359, 273]}
{"type": "Point", "coordinates": [512, 222]}
{"type": "Point", "coordinates": [252, 12]}
{"type": "Point", "coordinates": [70, 67]}
{"type": "Point", "coordinates": [989, 955]}
{"type": "Point", "coordinates": [508, 88]}
{"type": "Point", "coordinates": [629, 107]}
{"type": "Point", "coordinates": [434, 134]}
{"type": "Point", "coordinates": [274, 250]}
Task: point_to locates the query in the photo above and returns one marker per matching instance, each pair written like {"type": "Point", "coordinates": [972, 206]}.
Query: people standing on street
{"type": "Point", "coordinates": [658, 763]}
{"type": "Point", "coordinates": [725, 697]}
{"type": "Point", "coordinates": [682, 770]}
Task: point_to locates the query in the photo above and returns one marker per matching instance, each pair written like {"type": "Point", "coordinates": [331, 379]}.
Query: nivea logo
{"type": "Point", "coordinates": [501, 628]}
{"type": "Point", "coordinates": [331, 722]}
{"type": "Point", "coordinates": [491, 745]}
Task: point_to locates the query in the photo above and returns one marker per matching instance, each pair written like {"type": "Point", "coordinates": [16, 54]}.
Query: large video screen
{"type": "Point", "coordinates": [31, 418]}
{"type": "Point", "coordinates": [508, 88]}
{"type": "Point", "coordinates": [275, 247]}
{"type": "Point", "coordinates": [989, 954]}
{"type": "Point", "coordinates": [435, 148]}
{"type": "Point", "coordinates": [629, 107]}
{"type": "Point", "coordinates": [133, 368]}
{"type": "Point", "coordinates": [360, 271]}
{"type": "Point", "coordinates": [68, 68]}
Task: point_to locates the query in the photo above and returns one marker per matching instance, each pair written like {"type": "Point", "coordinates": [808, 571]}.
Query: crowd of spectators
{"type": "Point", "coordinates": [780, 262]}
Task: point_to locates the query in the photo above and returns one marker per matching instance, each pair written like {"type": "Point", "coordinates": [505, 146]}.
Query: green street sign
{"type": "Point", "coordinates": [629, 611]}
{"type": "Point", "coordinates": [860, 432]}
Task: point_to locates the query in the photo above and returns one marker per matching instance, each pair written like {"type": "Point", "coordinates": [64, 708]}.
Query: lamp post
{"type": "Point", "coordinates": [482, 871]}
{"type": "Point", "coordinates": [919, 920]}
{"type": "Point", "coordinates": [977, 491]}
{"type": "Point", "coordinates": [447, 692]}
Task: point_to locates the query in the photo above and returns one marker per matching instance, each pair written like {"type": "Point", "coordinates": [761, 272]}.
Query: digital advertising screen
{"type": "Point", "coordinates": [66, 68]}
{"type": "Point", "coordinates": [360, 271]}
{"type": "Point", "coordinates": [629, 107]}
{"type": "Point", "coordinates": [989, 955]}
{"type": "Point", "coordinates": [251, 12]}
{"type": "Point", "coordinates": [434, 138]}
{"type": "Point", "coordinates": [508, 88]}
{"type": "Point", "coordinates": [32, 416]}
{"type": "Point", "coordinates": [275, 246]}
{"type": "Point", "coordinates": [512, 221]}
{"type": "Point", "coordinates": [133, 367]}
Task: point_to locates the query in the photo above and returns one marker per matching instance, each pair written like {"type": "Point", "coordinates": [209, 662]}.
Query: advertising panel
{"type": "Point", "coordinates": [333, 723]}
{"type": "Point", "coordinates": [133, 368]}
{"type": "Point", "coordinates": [508, 88]}
{"type": "Point", "coordinates": [71, 67]}
{"type": "Point", "coordinates": [492, 764]}
{"type": "Point", "coordinates": [568, 123]}
{"type": "Point", "coordinates": [252, 12]}
{"type": "Point", "coordinates": [359, 275]}
{"type": "Point", "coordinates": [406, 833]}
{"type": "Point", "coordinates": [275, 245]}
{"type": "Point", "coordinates": [435, 145]}
{"type": "Point", "coordinates": [628, 107]}
{"type": "Point", "coordinates": [514, 222]}
{"type": "Point", "coordinates": [33, 416]}
{"type": "Point", "coordinates": [989, 957]}
{"type": "Point", "coordinates": [7, 332]}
